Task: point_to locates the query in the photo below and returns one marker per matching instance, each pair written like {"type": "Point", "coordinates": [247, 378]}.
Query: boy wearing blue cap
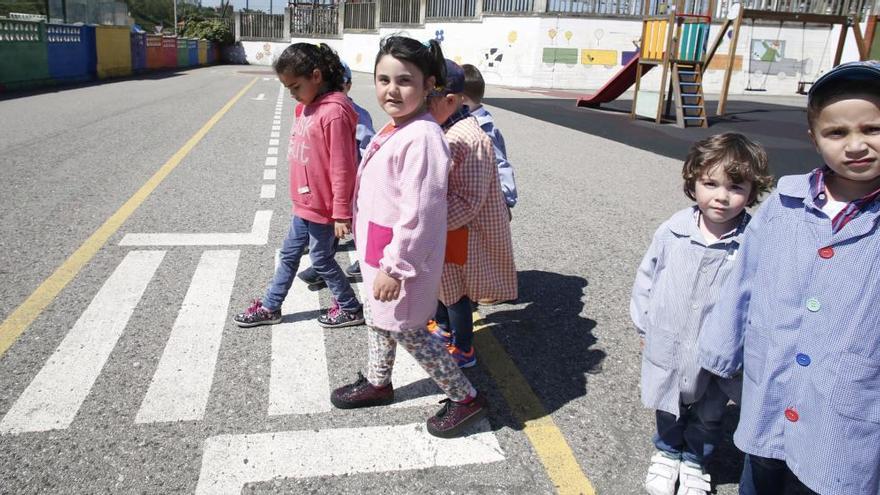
{"type": "Point", "coordinates": [799, 314]}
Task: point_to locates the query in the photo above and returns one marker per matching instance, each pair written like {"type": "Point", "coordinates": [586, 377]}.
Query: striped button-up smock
{"type": "Point", "coordinates": [479, 263]}
{"type": "Point", "coordinates": [676, 286]}
{"type": "Point", "coordinates": [800, 315]}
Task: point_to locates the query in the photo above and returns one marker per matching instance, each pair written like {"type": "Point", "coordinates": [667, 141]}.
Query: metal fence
{"type": "Point", "coordinates": [360, 15]}
{"type": "Point", "coordinates": [256, 26]}
{"type": "Point", "coordinates": [596, 7]}
{"type": "Point", "coordinates": [508, 6]}
{"type": "Point", "coordinates": [315, 19]}
{"type": "Point", "coordinates": [451, 9]}
{"type": "Point", "coordinates": [405, 12]}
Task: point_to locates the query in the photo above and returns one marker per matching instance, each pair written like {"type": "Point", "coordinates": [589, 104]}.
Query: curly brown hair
{"type": "Point", "coordinates": [743, 160]}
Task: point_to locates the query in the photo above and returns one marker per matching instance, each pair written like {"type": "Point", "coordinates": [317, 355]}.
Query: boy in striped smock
{"type": "Point", "coordinates": [676, 286]}
{"type": "Point", "coordinates": [799, 314]}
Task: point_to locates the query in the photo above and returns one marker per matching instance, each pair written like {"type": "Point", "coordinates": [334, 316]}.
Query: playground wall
{"type": "Point", "coordinates": [578, 53]}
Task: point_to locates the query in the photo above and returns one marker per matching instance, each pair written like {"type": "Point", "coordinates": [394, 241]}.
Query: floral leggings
{"type": "Point", "coordinates": [430, 354]}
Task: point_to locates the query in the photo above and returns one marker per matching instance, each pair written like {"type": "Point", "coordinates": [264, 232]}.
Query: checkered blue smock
{"type": "Point", "coordinates": [800, 314]}
{"type": "Point", "coordinates": [676, 286]}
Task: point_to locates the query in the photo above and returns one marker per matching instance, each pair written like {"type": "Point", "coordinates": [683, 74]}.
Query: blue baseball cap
{"type": "Point", "coordinates": [867, 71]}
{"type": "Point", "coordinates": [346, 76]}
{"type": "Point", "coordinates": [454, 78]}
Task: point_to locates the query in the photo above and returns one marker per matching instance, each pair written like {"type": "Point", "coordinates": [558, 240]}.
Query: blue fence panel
{"type": "Point", "coordinates": [139, 52]}
{"type": "Point", "coordinates": [71, 52]}
{"type": "Point", "coordinates": [193, 47]}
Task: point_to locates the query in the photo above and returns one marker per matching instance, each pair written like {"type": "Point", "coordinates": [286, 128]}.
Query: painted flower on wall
{"type": "Point", "coordinates": [439, 36]}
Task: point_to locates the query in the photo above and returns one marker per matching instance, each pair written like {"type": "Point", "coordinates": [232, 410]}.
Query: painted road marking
{"type": "Point", "coordinates": [272, 151]}
{"type": "Point", "coordinates": [274, 134]}
{"type": "Point", "coordinates": [258, 236]}
{"type": "Point", "coordinates": [30, 309]}
{"type": "Point", "coordinates": [412, 385]}
{"type": "Point", "coordinates": [267, 191]}
{"type": "Point", "coordinates": [182, 382]}
{"type": "Point", "coordinates": [269, 174]}
{"type": "Point", "coordinates": [273, 142]}
{"type": "Point", "coordinates": [276, 127]}
{"type": "Point", "coordinates": [55, 395]}
{"type": "Point", "coordinates": [231, 461]}
{"type": "Point", "coordinates": [539, 427]}
{"type": "Point", "coordinates": [260, 97]}
{"type": "Point", "coordinates": [271, 161]}
{"type": "Point", "coordinates": [299, 382]}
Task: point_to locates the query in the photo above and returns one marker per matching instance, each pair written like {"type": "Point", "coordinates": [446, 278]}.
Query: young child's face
{"type": "Point", "coordinates": [303, 89]}
{"type": "Point", "coordinates": [401, 88]}
{"type": "Point", "coordinates": [720, 199]}
{"type": "Point", "coordinates": [847, 135]}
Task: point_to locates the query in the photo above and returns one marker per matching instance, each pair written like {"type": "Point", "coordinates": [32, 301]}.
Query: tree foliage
{"type": "Point", "coordinates": [214, 30]}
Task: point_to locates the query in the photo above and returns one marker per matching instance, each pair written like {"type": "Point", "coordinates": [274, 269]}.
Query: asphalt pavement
{"type": "Point", "coordinates": [105, 391]}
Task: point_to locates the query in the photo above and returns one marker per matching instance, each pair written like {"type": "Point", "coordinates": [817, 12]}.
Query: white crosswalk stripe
{"type": "Point", "coordinates": [55, 395]}
{"type": "Point", "coordinates": [299, 382]}
{"type": "Point", "coordinates": [180, 387]}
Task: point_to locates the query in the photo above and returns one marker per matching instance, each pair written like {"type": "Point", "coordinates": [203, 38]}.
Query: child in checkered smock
{"type": "Point", "coordinates": [676, 286]}
{"type": "Point", "coordinates": [479, 251]}
{"type": "Point", "coordinates": [400, 227]}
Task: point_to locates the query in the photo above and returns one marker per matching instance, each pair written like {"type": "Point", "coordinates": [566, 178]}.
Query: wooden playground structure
{"type": "Point", "coordinates": [677, 41]}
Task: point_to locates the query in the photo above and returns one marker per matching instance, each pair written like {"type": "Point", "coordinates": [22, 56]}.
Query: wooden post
{"type": "Point", "coordinates": [632, 113]}
{"type": "Point", "coordinates": [860, 41]}
{"type": "Point", "coordinates": [841, 40]}
{"type": "Point", "coordinates": [666, 61]}
{"type": "Point", "coordinates": [728, 71]}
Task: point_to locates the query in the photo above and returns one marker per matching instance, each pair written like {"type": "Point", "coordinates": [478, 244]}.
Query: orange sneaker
{"type": "Point", "coordinates": [439, 334]}
{"type": "Point", "coordinates": [462, 359]}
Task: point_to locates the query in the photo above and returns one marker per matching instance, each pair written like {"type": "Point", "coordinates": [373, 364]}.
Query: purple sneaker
{"type": "Point", "coordinates": [454, 417]}
{"type": "Point", "coordinates": [256, 315]}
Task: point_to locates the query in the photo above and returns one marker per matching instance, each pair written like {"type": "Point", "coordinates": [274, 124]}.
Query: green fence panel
{"type": "Point", "coordinates": [182, 52]}
{"type": "Point", "coordinates": [24, 59]}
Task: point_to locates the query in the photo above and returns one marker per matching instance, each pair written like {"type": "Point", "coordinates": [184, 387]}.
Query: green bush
{"type": "Point", "coordinates": [214, 30]}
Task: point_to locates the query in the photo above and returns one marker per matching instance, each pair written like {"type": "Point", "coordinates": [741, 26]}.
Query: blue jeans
{"type": "Point", "coordinates": [457, 318]}
{"type": "Point", "coordinates": [321, 239]}
{"type": "Point", "coordinates": [765, 476]}
{"type": "Point", "coordinates": [697, 431]}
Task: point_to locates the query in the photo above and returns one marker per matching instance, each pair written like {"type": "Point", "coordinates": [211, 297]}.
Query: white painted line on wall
{"type": "Point", "coordinates": [182, 382]}
{"type": "Point", "coordinates": [271, 161]}
{"type": "Point", "coordinates": [56, 393]}
{"type": "Point", "coordinates": [231, 461]}
{"type": "Point", "coordinates": [272, 151]}
{"type": "Point", "coordinates": [269, 174]}
{"type": "Point", "coordinates": [299, 382]}
{"type": "Point", "coordinates": [267, 191]}
{"type": "Point", "coordinates": [258, 236]}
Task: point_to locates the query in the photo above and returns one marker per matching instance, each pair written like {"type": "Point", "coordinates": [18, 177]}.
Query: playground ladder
{"type": "Point", "coordinates": [687, 89]}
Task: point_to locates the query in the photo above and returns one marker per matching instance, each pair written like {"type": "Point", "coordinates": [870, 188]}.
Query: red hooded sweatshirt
{"type": "Point", "coordinates": [323, 159]}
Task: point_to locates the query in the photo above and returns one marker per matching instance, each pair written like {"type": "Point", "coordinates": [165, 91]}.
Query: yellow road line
{"type": "Point", "coordinates": [25, 314]}
{"type": "Point", "coordinates": [539, 427]}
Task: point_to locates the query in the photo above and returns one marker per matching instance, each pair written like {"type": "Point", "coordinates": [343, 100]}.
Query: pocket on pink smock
{"type": "Point", "coordinates": [378, 236]}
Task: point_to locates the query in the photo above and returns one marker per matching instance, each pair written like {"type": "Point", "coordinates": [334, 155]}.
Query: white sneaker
{"type": "Point", "coordinates": [693, 481]}
{"type": "Point", "coordinates": [662, 474]}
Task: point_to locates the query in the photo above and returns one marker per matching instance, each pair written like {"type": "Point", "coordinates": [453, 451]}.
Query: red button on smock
{"type": "Point", "coordinates": [791, 415]}
{"type": "Point", "coordinates": [826, 252]}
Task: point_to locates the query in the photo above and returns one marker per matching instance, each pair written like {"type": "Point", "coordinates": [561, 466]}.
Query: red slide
{"type": "Point", "coordinates": [615, 86]}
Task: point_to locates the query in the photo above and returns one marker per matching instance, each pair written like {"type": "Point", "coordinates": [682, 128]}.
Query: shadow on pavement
{"type": "Point", "coordinates": [10, 94]}
{"type": "Point", "coordinates": [782, 130]}
{"type": "Point", "coordinates": [547, 338]}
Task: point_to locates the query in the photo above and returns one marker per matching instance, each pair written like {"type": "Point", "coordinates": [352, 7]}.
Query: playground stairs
{"type": "Point", "coordinates": [687, 88]}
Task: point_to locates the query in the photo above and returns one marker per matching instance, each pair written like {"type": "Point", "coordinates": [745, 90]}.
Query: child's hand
{"type": "Point", "coordinates": [342, 227]}
{"type": "Point", "coordinates": [385, 288]}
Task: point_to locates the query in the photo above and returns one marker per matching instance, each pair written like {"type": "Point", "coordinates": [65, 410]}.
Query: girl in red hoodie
{"type": "Point", "coordinates": [322, 158]}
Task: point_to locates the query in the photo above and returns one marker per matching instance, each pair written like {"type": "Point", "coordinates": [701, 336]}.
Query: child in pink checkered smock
{"type": "Point", "coordinates": [479, 251]}
{"type": "Point", "coordinates": [400, 227]}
